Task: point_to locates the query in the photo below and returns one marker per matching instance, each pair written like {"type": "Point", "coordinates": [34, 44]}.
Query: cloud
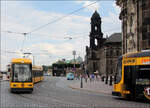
{"type": "Point", "coordinates": [111, 24]}
{"type": "Point", "coordinates": [117, 8]}
{"type": "Point", "coordinates": [92, 7]}
{"type": "Point", "coordinates": [48, 41]}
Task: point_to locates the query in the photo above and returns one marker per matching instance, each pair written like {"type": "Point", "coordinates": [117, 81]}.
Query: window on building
{"type": "Point", "coordinates": [111, 51]}
{"type": "Point", "coordinates": [95, 28]}
{"type": "Point", "coordinates": [117, 52]}
{"type": "Point", "coordinates": [110, 62]}
{"type": "Point", "coordinates": [96, 42]}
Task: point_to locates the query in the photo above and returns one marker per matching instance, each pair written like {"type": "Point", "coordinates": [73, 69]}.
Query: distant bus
{"type": "Point", "coordinates": [60, 69]}
{"type": "Point", "coordinates": [132, 79]}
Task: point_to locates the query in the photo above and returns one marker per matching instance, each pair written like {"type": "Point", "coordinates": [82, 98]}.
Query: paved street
{"type": "Point", "coordinates": [93, 86]}
{"type": "Point", "coordinates": [54, 92]}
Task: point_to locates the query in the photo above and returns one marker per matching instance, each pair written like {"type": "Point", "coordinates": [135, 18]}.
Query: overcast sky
{"type": "Point", "coordinates": [51, 42]}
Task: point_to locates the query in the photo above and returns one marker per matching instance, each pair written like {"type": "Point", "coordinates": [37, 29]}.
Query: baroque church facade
{"type": "Point", "coordinates": [135, 17]}
{"type": "Point", "coordinates": [96, 40]}
{"type": "Point", "coordinates": [98, 55]}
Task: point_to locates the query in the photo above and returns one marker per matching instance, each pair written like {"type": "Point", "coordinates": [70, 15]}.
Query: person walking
{"type": "Point", "coordinates": [86, 77]}
{"type": "Point", "coordinates": [93, 77]}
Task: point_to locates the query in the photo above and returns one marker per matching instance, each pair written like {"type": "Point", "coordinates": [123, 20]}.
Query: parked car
{"type": "Point", "coordinates": [70, 76]}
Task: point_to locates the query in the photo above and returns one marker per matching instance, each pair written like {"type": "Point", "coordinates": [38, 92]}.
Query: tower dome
{"type": "Point", "coordinates": [95, 15]}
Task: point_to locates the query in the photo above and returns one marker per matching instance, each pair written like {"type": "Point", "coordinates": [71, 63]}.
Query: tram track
{"type": "Point", "coordinates": [51, 93]}
{"type": "Point", "coordinates": [40, 96]}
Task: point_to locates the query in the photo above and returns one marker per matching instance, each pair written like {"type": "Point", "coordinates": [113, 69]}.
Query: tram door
{"type": "Point", "coordinates": [130, 79]}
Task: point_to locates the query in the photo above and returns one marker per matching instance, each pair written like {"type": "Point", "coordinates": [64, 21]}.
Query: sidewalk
{"type": "Point", "coordinates": [94, 86]}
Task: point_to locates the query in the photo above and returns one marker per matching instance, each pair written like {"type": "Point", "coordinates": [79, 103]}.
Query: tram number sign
{"type": "Point", "coordinates": [147, 91]}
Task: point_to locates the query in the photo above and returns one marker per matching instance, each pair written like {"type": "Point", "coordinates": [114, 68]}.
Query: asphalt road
{"type": "Point", "coordinates": [54, 92]}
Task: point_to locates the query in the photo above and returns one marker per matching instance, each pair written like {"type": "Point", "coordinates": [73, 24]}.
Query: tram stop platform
{"type": "Point", "coordinates": [93, 86]}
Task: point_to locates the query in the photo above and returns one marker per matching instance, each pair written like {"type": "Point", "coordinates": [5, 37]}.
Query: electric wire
{"type": "Point", "coordinates": [62, 17]}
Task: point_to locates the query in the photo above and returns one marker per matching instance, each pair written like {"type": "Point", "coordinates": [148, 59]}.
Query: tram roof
{"type": "Point", "coordinates": [138, 54]}
{"type": "Point", "coordinates": [37, 67]}
{"type": "Point", "coordinates": [21, 60]}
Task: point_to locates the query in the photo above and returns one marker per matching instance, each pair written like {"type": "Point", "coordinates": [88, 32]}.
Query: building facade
{"type": "Point", "coordinates": [96, 40]}
{"type": "Point", "coordinates": [102, 54]}
{"type": "Point", "coordinates": [135, 17]}
{"type": "Point", "coordinates": [109, 53]}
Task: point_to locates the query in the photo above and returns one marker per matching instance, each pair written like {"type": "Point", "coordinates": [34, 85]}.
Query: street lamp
{"type": "Point", "coordinates": [26, 55]}
{"type": "Point", "coordinates": [74, 54]}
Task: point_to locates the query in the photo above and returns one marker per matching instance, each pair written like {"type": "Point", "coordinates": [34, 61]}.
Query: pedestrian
{"type": "Point", "coordinates": [86, 77]}
{"type": "Point", "coordinates": [93, 77]}
{"type": "Point", "coordinates": [98, 77]}
{"type": "Point", "coordinates": [90, 77]}
{"type": "Point", "coordinates": [75, 76]}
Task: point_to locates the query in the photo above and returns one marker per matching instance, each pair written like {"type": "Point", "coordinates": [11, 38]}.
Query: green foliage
{"type": "Point", "coordinates": [45, 68]}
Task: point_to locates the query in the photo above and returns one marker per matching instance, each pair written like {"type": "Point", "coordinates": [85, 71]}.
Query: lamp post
{"type": "Point", "coordinates": [74, 54]}
{"type": "Point", "coordinates": [33, 60]}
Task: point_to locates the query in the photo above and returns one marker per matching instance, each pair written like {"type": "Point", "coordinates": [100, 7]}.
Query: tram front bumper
{"type": "Point", "coordinates": [116, 93]}
{"type": "Point", "coordinates": [21, 89]}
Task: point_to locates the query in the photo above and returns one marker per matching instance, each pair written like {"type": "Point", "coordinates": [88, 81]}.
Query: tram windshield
{"type": "Point", "coordinates": [22, 73]}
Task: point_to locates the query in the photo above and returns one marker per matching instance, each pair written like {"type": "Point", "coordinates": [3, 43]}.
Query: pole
{"type": "Point", "coordinates": [74, 63]}
{"type": "Point", "coordinates": [81, 85]}
{"type": "Point", "coordinates": [74, 53]}
{"type": "Point", "coordinates": [33, 61]}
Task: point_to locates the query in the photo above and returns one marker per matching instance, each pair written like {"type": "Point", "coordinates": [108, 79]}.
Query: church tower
{"type": "Point", "coordinates": [96, 34]}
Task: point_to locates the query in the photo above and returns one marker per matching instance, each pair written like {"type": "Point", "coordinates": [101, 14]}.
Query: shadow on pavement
{"type": "Point", "coordinates": [136, 100]}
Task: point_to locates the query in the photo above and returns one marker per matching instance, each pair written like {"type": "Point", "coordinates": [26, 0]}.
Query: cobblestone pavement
{"type": "Point", "coordinates": [93, 86]}
{"type": "Point", "coordinates": [54, 92]}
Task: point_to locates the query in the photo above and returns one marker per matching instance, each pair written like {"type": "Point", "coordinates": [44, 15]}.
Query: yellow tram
{"type": "Point", "coordinates": [37, 73]}
{"type": "Point", "coordinates": [23, 75]}
{"type": "Point", "coordinates": [133, 76]}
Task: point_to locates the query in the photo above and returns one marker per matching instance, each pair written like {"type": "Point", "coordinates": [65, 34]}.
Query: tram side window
{"type": "Point", "coordinates": [35, 74]}
{"type": "Point", "coordinates": [143, 75]}
{"type": "Point", "coordinates": [32, 73]}
{"type": "Point", "coordinates": [40, 73]}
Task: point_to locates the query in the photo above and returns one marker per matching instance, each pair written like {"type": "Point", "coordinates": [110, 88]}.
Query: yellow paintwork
{"type": "Point", "coordinates": [136, 61]}
{"type": "Point", "coordinates": [25, 84]}
{"type": "Point", "coordinates": [22, 61]}
{"type": "Point", "coordinates": [37, 68]}
{"type": "Point", "coordinates": [21, 85]}
{"type": "Point", "coordinates": [120, 87]}
{"type": "Point", "coordinates": [38, 79]}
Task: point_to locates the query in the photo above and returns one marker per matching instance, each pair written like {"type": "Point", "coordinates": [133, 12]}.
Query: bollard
{"type": "Point", "coordinates": [106, 82]}
{"type": "Point", "coordinates": [110, 83]}
{"type": "Point", "coordinates": [102, 78]}
{"type": "Point", "coordinates": [81, 85]}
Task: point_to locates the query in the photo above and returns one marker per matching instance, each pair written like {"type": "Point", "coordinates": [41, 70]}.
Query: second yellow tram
{"type": "Point", "coordinates": [132, 79]}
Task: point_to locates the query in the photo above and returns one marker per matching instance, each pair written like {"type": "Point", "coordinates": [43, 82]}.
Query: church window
{"type": "Point", "coordinates": [96, 42]}
{"type": "Point", "coordinates": [117, 52]}
{"type": "Point", "coordinates": [95, 28]}
{"type": "Point", "coordinates": [111, 52]}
